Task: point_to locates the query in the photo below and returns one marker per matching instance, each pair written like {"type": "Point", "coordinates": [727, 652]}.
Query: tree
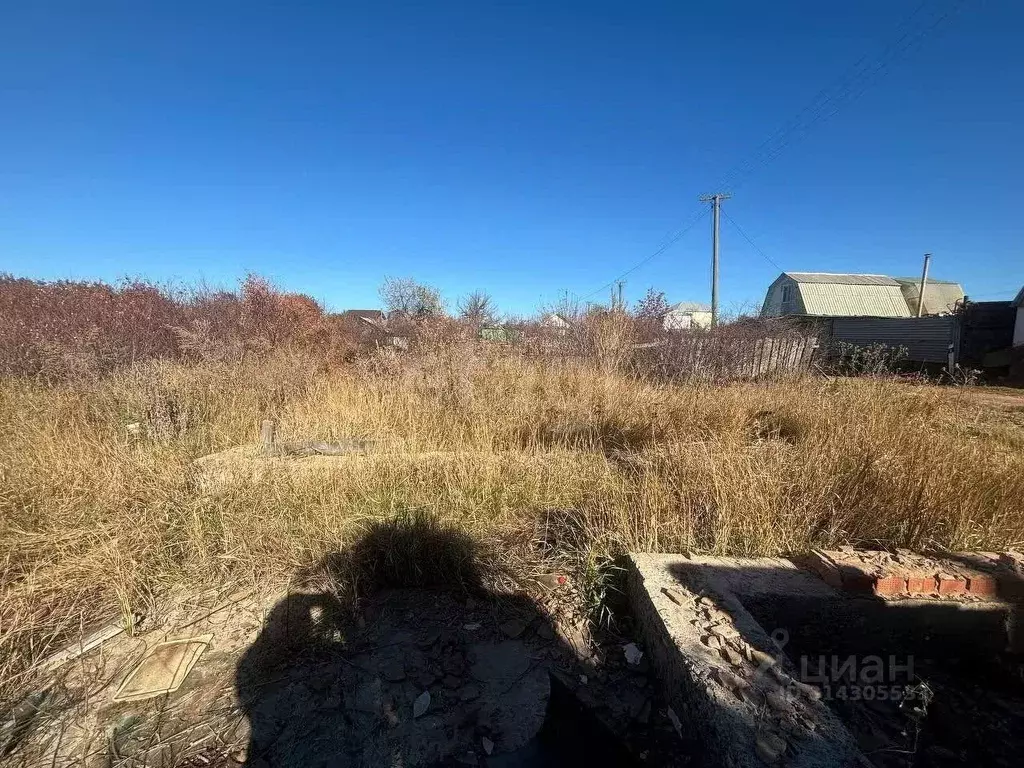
{"type": "Point", "coordinates": [405, 295]}
{"type": "Point", "coordinates": [478, 308]}
{"type": "Point", "coordinates": [652, 306]}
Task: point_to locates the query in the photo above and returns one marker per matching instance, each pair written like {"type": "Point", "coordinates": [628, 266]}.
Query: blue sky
{"type": "Point", "coordinates": [522, 148]}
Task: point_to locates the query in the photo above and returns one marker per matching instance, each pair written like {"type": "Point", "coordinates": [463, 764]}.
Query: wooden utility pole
{"type": "Point", "coordinates": [716, 204]}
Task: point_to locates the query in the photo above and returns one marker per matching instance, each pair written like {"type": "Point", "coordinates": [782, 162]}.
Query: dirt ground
{"type": "Point", "coordinates": [417, 678]}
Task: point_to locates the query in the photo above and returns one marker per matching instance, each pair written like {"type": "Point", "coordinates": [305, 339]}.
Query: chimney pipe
{"type": "Point", "coordinates": [924, 282]}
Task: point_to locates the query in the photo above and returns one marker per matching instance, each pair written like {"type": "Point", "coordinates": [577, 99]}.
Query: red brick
{"type": "Point", "coordinates": [889, 585]}
{"type": "Point", "coordinates": [982, 585]}
{"type": "Point", "coordinates": [952, 585]}
{"type": "Point", "coordinates": [921, 583]}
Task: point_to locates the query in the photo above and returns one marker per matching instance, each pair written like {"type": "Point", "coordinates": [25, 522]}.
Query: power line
{"type": "Point", "coordinates": [818, 109]}
{"type": "Point", "coordinates": [847, 88]}
{"type": "Point", "coordinates": [660, 250]}
{"type": "Point", "coordinates": [753, 245]}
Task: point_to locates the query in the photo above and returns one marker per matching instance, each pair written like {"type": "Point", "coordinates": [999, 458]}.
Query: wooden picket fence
{"type": "Point", "coordinates": [711, 356]}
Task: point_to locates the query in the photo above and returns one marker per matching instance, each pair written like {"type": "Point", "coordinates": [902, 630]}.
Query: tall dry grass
{"type": "Point", "coordinates": [546, 462]}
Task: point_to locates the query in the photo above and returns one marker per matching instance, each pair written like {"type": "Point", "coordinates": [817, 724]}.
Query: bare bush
{"type": "Point", "coordinates": [478, 309]}
{"type": "Point", "coordinates": [403, 295]}
{"type": "Point", "coordinates": [67, 330]}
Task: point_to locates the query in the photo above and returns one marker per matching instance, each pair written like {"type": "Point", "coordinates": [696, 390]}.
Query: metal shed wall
{"type": "Point", "coordinates": [926, 339]}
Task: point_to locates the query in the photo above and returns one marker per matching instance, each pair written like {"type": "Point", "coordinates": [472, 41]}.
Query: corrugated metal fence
{"type": "Point", "coordinates": [925, 339]}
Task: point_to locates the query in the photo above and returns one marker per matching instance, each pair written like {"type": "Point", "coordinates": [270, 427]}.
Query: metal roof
{"type": "Point", "coordinates": [940, 296]}
{"type": "Point", "coordinates": [917, 280]}
{"type": "Point", "coordinates": [840, 279]}
{"type": "Point", "coordinates": [854, 299]}
{"type": "Point", "coordinates": [689, 306]}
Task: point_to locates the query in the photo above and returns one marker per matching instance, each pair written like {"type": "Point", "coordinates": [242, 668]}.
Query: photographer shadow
{"type": "Point", "coordinates": [395, 653]}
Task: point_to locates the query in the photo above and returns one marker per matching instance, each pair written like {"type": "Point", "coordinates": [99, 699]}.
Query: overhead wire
{"type": "Point", "coordinates": [835, 95]}
{"type": "Point", "coordinates": [753, 245]}
{"type": "Point", "coordinates": [657, 252]}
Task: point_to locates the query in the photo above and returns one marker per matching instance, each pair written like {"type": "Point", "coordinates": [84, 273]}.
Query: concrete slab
{"type": "Point", "coordinates": [729, 685]}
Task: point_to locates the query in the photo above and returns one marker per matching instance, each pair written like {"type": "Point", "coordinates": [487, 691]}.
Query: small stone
{"type": "Point", "coordinates": [633, 653]}
{"type": "Point", "coordinates": [675, 595]}
{"type": "Point", "coordinates": [240, 755]}
{"type": "Point", "coordinates": [759, 657]}
{"type": "Point", "coordinates": [487, 744]}
{"type": "Point", "coordinates": [513, 628]}
{"type": "Point", "coordinates": [713, 641]}
{"type": "Point", "coordinates": [770, 747]}
{"type": "Point", "coordinates": [422, 703]}
{"type": "Point", "coordinates": [472, 626]}
{"type": "Point", "coordinates": [584, 679]}
{"type": "Point", "coordinates": [725, 631]}
{"type": "Point", "coordinates": [731, 656]}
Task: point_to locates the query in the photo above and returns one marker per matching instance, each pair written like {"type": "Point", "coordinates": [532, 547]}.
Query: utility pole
{"type": "Point", "coordinates": [621, 283]}
{"type": "Point", "coordinates": [716, 204]}
{"type": "Point", "coordinates": [924, 283]}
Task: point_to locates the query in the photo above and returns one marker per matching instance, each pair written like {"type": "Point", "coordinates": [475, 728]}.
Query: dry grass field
{"type": "Point", "coordinates": [547, 463]}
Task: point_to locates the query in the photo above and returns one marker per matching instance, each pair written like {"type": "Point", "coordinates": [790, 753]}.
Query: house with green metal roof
{"type": "Point", "coordinates": [826, 294]}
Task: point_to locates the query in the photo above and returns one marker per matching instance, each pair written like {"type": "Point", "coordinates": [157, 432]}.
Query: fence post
{"type": "Point", "coordinates": [268, 436]}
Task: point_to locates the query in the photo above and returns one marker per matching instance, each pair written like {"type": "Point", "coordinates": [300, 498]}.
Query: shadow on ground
{"type": "Point", "coordinates": [403, 658]}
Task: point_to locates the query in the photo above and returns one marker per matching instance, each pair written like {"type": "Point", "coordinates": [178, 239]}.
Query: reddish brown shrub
{"type": "Point", "coordinates": [67, 329]}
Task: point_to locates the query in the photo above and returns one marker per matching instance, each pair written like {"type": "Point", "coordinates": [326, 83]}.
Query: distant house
{"type": "Point", "coordinates": [555, 322]}
{"type": "Point", "coordinates": [941, 297]}
{"type": "Point", "coordinates": [685, 315]}
{"type": "Point", "coordinates": [824, 294]}
{"type": "Point", "coordinates": [374, 317]}
{"type": "Point", "coordinates": [1018, 326]}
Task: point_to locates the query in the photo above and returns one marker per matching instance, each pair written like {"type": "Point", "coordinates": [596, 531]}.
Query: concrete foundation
{"type": "Point", "coordinates": [731, 639]}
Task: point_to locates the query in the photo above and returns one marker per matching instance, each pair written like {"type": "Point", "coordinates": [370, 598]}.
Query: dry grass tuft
{"type": "Point", "coordinates": [531, 463]}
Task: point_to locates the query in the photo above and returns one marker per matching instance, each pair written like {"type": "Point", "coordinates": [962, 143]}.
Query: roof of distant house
{"type": "Point", "coordinates": [554, 319]}
{"type": "Point", "coordinates": [689, 306]}
{"type": "Point", "coordinates": [847, 295]}
{"type": "Point", "coordinates": [840, 278]}
{"type": "Point", "coordinates": [368, 314]}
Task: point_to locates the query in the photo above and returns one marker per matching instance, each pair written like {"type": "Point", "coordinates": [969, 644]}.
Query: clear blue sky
{"type": "Point", "coordinates": [522, 148]}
